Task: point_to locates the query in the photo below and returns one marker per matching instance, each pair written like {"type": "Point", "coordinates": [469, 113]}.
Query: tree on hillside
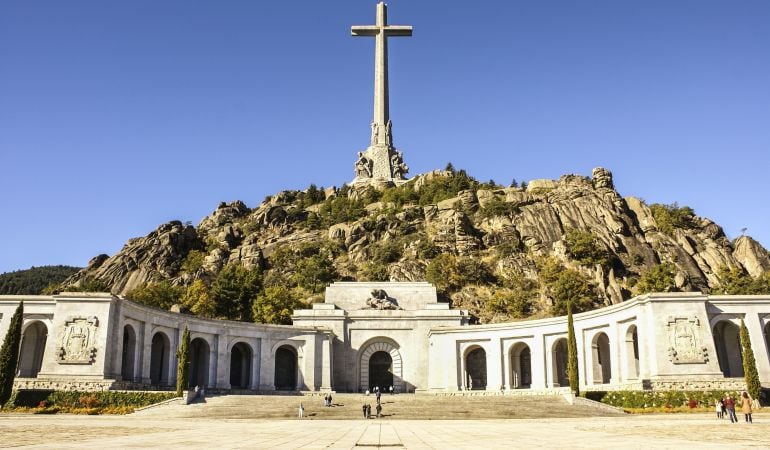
{"type": "Point", "coordinates": [161, 295]}
{"type": "Point", "coordinates": [198, 298]}
{"type": "Point", "coordinates": [34, 281]}
{"type": "Point", "coordinates": [233, 291]}
{"type": "Point", "coordinates": [735, 281]}
{"type": "Point", "coordinates": [750, 373]}
{"type": "Point", "coordinates": [9, 354]}
{"type": "Point", "coordinates": [658, 278]}
{"type": "Point", "coordinates": [572, 362]}
{"type": "Point", "coordinates": [183, 362]}
{"type": "Point", "coordinates": [275, 305]}
{"type": "Point", "coordinates": [573, 289]}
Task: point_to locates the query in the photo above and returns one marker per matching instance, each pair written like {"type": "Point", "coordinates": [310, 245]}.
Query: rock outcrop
{"type": "Point", "coordinates": [507, 228]}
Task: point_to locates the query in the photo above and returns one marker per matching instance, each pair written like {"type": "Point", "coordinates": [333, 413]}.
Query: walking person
{"type": "Point", "coordinates": [330, 400]}
{"type": "Point", "coordinates": [363, 408]}
{"type": "Point", "coordinates": [746, 407]}
{"type": "Point", "coordinates": [730, 405]}
{"type": "Point", "coordinates": [379, 410]}
{"type": "Point", "coordinates": [301, 411]}
{"type": "Point", "coordinates": [368, 410]}
{"type": "Point", "coordinates": [719, 407]}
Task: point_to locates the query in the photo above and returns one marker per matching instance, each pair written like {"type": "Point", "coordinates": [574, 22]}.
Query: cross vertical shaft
{"type": "Point", "coordinates": [381, 160]}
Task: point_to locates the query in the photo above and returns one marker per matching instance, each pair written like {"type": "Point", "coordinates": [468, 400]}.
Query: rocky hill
{"type": "Point", "coordinates": [502, 252]}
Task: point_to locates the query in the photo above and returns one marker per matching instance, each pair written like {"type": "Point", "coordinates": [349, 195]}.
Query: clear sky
{"type": "Point", "coordinates": [118, 116]}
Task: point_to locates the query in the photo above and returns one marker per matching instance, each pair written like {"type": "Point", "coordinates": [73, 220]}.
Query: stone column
{"type": "Point", "coordinates": [326, 362]}
{"type": "Point", "coordinates": [507, 367]}
{"type": "Point", "coordinates": [173, 361]}
{"type": "Point", "coordinates": [494, 365]}
{"type": "Point", "coordinates": [267, 367]}
{"type": "Point", "coordinates": [146, 352]}
{"type": "Point", "coordinates": [615, 340]}
{"type": "Point", "coordinates": [538, 362]}
{"type": "Point", "coordinates": [222, 358]}
{"type": "Point", "coordinates": [255, 365]}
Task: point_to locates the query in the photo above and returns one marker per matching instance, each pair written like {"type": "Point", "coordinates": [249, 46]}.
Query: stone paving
{"type": "Point", "coordinates": [165, 427]}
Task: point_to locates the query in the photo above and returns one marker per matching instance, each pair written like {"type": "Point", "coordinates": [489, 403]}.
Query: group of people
{"type": "Point", "coordinates": [328, 400]}
{"type": "Point", "coordinates": [726, 406]}
{"type": "Point", "coordinates": [367, 410]}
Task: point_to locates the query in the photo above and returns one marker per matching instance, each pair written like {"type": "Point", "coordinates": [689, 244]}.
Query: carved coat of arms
{"type": "Point", "coordinates": [685, 341]}
{"type": "Point", "coordinates": [78, 341]}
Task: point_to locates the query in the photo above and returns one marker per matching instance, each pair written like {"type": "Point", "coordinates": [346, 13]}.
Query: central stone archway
{"type": "Point", "coordinates": [380, 363]}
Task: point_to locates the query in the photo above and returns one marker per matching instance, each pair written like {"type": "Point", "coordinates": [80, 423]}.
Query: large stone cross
{"type": "Point", "coordinates": [381, 160]}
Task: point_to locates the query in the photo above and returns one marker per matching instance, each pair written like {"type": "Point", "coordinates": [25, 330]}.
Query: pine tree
{"type": "Point", "coordinates": [751, 376]}
{"type": "Point", "coordinates": [572, 363]}
{"type": "Point", "coordinates": [9, 355]}
{"type": "Point", "coordinates": [183, 356]}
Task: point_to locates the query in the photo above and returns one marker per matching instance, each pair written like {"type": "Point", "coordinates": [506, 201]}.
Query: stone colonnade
{"type": "Point", "coordinates": [660, 341]}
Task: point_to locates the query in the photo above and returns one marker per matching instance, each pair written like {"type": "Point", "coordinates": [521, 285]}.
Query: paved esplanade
{"type": "Point", "coordinates": [381, 160]}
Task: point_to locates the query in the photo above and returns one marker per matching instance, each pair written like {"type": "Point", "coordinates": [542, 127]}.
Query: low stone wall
{"type": "Point", "coordinates": [728, 384]}
{"type": "Point", "coordinates": [63, 384]}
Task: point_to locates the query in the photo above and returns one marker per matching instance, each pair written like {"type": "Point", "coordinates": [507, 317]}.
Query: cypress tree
{"type": "Point", "coordinates": [9, 355]}
{"type": "Point", "coordinates": [572, 362]}
{"type": "Point", "coordinates": [750, 374]}
{"type": "Point", "coordinates": [183, 357]}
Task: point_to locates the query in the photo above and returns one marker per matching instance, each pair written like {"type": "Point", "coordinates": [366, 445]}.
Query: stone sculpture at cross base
{"type": "Point", "coordinates": [381, 162]}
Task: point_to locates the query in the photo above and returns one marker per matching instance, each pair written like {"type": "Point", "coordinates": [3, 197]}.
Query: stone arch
{"type": "Point", "coordinates": [240, 365]}
{"type": "Point", "coordinates": [32, 351]}
{"type": "Point", "coordinates": [475, 368]}
{"type": "Point", "coordinates": [632, 353]}
{"type": "Point", "coordinates": [600, 351]}
{"type": "Point", "coordinates": [129, 353]}
{"type": "Point", "coordinates": [160, 354]}
{"type": "Point", "coordinates": [728, 346]}
{"type": "Point", "coordinates": [396, 368]}
{"type": "Point", "coordinates": [200, 353]}
{"type": "Point", "coordinates": [559, 365]}
{"type": "Point", "coordinates": [286, 367]}
{"type": "Point", "coordinates": [521, 366]}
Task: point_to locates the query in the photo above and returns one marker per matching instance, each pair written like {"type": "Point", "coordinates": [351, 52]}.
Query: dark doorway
{"type": "Point", "coordinates": [240, 366]}
{"type": "Point", "coordinates": [380, 371]}
{"type": "Point", "coordinates": [525, 362]}
{"type": "Point", "coordinates": [476, 370]}
{"type": "Point", "coordinates": [601, 359]}
{"type": "Point", "coordinates": [199, 362]}
{"type": "Point", "coordinates": [560, 363]}
{"type": "Point", "coordinates": [129, 352]}
{"type": "Point", "coordinates": [159, 359]}
{"type": "Point", "coordinates": [32, 349]}
{"type": "Point", "coordinates": [728, 345]}
{"type": "Point", "coordinates": [285, 369]}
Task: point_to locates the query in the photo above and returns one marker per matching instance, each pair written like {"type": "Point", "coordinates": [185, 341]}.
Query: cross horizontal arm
{"type": "Point", "coordinates": [374, 30]}
{"type": "Point", "coordinates": [365, 30]}
{"type": "Point", "coordinates": [398, 30]}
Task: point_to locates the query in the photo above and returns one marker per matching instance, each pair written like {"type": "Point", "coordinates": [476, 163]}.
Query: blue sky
{"type": "Point", "coordinates": [118, 116]}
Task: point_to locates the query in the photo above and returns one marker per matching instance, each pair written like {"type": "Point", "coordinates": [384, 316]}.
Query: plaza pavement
{"type": "Point", "coordinates": [200, 426]}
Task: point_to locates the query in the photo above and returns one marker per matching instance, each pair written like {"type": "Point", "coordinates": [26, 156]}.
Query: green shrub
{"type": "Point", "coordinates": [585, 247]}
{"type": "Point", "coordinates": [161, 295]}
{"type": "Point", "coordinates": [658, 399]}
{"type": "Point", "coordinates": [735, 281]}
{"type": "Point", "coordinates": [753, 386]}
{"type": "Point", "coordinates": [671, 217]}
{"type": "Point", "coordinates": [193, 262]}
{"type": "Point", "coordinates": [498, 207]}
{"type": "Point", "coordinates": [658, 278]}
